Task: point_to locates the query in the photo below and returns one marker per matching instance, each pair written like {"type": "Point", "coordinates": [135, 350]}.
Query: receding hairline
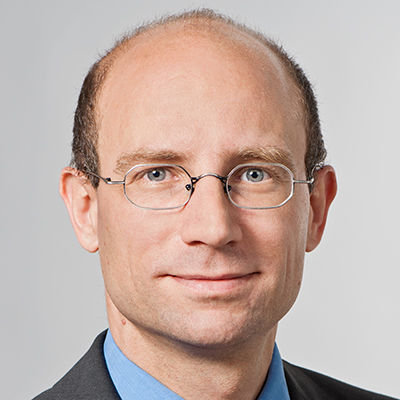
{"type": "Point", "coordinates": [207, 23]}
{"type": "Point", "coordinates": [198, 22]}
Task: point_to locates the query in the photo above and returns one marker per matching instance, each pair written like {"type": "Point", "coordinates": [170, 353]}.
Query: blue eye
{"type": "Point", "coordinates": [254, 175]}
{"type": "Point", "coordinates": [156, 175]}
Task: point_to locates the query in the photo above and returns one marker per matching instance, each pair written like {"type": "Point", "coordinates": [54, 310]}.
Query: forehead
{"type": "Point", "coordinates": [200, 93]}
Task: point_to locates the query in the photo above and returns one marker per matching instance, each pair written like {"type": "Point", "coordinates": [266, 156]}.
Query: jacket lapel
{"type": "Point", "coordinates": [294, 383]}
{"type": "Point", "coordinates": [88, 379]}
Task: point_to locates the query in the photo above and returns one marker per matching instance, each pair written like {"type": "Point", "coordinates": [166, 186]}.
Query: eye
{"type": "Point", "coordinates": [156, 174]}
{"type": "Point", "coordinates": [255, 175]}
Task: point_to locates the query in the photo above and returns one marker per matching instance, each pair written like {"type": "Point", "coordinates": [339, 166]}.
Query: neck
{"type": "Point", "coordinates": [230, 371]}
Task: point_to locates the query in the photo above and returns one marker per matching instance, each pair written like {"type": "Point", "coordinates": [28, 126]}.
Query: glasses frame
{"type": "Point", "coordinates": [224, 179]}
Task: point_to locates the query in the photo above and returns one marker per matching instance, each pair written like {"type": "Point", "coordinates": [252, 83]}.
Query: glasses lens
{"type": "Point", "coordinates": [260, 185]}
{"type": "Point", "coordinates": [158, 186]}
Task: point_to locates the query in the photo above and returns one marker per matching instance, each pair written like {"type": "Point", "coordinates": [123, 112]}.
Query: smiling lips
{"type": "Point", "coordinates": [222, 283]}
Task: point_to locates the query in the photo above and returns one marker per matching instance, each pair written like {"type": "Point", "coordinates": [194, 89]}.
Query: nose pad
{"type": "Point", "coordinates": [195, 179]}
{"type": "Point", "coordinates": [190, 187]}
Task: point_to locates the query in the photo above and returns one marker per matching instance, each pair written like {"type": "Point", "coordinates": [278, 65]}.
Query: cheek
{"type": "Point", "coordinates": [279, 231]}
{"type": "Point", "coordinates": [129, 239]}
{"type": "Point", "coordinates": [278, 239]}
{"type": "Point", "coordinates": [295, 239]}
{"type": "Point", "coordinates": [131, 243]}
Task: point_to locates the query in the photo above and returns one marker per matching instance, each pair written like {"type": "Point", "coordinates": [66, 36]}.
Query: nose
{"type": "Point", "coordinates": [209, 217]}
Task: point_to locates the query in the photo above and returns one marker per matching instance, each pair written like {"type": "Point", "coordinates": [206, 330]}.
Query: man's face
{"type": "Point", "coordinates": [208, 273]}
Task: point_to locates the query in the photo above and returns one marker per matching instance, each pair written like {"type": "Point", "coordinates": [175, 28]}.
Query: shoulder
{"type": "Point", "coordinates": [87, 379]}
{"type": "Point", "coordinates": [306, 384]}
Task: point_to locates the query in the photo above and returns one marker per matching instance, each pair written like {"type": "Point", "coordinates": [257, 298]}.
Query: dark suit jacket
{"type": "Point", "coordinates": [89, 379]}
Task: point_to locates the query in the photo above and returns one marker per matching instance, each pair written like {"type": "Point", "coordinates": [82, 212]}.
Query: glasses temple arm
{"type": "Point", "coordinates": [108, 181]}
{"type": "Point", "coordinates": [311, 181]}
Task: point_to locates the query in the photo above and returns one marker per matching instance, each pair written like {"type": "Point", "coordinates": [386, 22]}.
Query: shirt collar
{"type": "Point", "coordinates": [133, 383]}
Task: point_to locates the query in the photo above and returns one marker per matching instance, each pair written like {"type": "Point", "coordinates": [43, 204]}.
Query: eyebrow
{"type": "Point", "coordinates": [268, 154]}
{"type": "Point", "coordinates": [144, 155]}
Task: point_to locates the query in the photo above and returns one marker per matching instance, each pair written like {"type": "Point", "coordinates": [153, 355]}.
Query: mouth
{"type": "Point", "coordinates": [214, 284]}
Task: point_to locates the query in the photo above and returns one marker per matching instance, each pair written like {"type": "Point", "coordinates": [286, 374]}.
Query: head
{"type": "Point", "coordinates": [200, 91]}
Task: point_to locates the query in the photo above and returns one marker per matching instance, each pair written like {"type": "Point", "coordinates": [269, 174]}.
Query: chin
{"type": "Point", "coordinates": [215, 330]}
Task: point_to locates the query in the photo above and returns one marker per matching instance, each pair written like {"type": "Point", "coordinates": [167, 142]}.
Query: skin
{"type": "Point", "coordinates": [200, 288]}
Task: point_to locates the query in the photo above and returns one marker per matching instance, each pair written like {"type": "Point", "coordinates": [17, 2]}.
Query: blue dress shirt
{"type": "Point", "coordinates": [133, 383]}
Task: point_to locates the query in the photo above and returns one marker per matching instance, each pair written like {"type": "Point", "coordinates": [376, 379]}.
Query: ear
{"type": "Point", "coordinates": [80, 197]}
{"type": "Point", "coordinates": [321, 197]}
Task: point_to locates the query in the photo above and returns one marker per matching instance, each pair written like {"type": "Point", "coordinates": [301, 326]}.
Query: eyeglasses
{"type": "Point", "coordinates": [257, 186]}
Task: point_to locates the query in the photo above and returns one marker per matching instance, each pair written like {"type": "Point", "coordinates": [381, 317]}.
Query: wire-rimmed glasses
{"type": "Point", "coordinates": [255, 186]}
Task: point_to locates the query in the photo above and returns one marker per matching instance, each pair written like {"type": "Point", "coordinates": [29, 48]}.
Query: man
{"type": "Point", "coordinates": [198, 175]}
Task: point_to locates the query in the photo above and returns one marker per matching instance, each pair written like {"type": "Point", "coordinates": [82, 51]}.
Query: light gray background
{"type": "Point", "coordinates": [346, 320]}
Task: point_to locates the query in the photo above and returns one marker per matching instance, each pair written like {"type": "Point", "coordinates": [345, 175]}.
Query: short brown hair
{"type": "Point", "coordinates": [84, 145]}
